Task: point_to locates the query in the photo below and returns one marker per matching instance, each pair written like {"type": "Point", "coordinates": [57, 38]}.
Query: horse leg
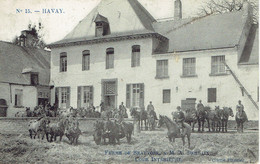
{"type": "Point", "coordinates": [188, 136]}
{"type": "Point", "coordinates": [61, 137]}
{"type": "Point", "coordinates": [242, 127]}
{"type": "Point", "coordinates": [183, 140]}
{"type": "Point", "coordinates": [203, 125]}
{"type": "Point", "coordinates": [199, 125]}
{"type": "Point", "coordinates": [193, 126]}
{"type": "Point", "coordinates": [30, 132]}
{"type": "Point", "coordinates": [208, 125]}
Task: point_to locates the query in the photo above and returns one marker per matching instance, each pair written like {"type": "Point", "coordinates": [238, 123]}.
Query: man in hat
{"type": "Point", "coordinates": [240, 109]}
{"type": "Point", "coordinates": [180, 119]}
{"type": "Point", "coordinates": [150, 109]}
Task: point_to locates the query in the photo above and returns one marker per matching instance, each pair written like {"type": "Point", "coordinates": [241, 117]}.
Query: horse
{"type": "Point", "coordinates": [174, 129]}
{"type": "Point", "coordinates": [105, 115]}
{"type": "Point", "coordinates": [37, 127]}
{"type": "Point", "coordinates": [140, 116]}
{"type": "Point", "coordinates": [98, 132]}
{"type": "Point", "coordinates": [191, 117]}
{"type": "Point", "coordinates": [241, 118]}
{"type": "Point", "coordinates": [151, 120]}
{"type": "Point", "coordinates": [72, 131]}
{"type": "Point", "coordinates": [226, 112]}
{"type": "Point", "coordinates": [55, 129]}
{"type": "Point", "coordinates": [213, 118]}
{"type": "Point", "coordinates": [112, 132]}
{"type": "Point", "coordinates": [201, 117]}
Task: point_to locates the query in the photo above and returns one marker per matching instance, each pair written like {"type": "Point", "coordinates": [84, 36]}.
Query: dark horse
{"type": "Point", "coordinates": [241, 118]}
{"type": "Point", "coordinates": [191, 117]}
{"type": "Point", "coordinates": [174, 130]}
{"type": "Point", "coordinates": [214, 118]}
{"type": "Point", "coordinates": [225, 113]}
{"type": "Point", "coordinates": [140, 116]}
{"type": "Point", "coordinates": [113, 131]}
{"type": "Point", "coordinates": [201, 116]}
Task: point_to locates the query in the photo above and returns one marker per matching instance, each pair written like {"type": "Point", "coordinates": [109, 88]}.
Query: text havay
{"type": "Point", "coordinates": [52, 11]}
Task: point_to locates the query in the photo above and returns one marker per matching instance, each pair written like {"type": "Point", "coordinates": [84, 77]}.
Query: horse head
{"type": "Point", "coordinates": [231, 112]}
{"type": "Point", "coordinates": [161, 121]}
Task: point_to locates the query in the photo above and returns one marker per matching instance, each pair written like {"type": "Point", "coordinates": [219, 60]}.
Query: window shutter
{"type": "Point", "coordinates": [56, 96]}
{"type": "Point", "coordinates": [128, 86]}
{"type": "Point", "coordinates": [142, 95]}
{"type": "Point", "coordinates": [68, 97]}
{"type": "Point", "coordinates": [79, 97]}
{"type": "Point", "coordinates": [91, 94]}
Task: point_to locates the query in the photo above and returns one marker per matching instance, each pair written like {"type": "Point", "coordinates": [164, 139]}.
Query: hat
{"type": "Point", "coordinates": [178, 107]}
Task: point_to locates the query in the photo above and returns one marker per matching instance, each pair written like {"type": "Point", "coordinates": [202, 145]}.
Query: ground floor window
{"type": "Point", "coordinates": [212, 94]}
{"type": "Point", "coordinates": [135, 95]}
{"type": "Point", "coordinates": [85, 96]}
{"type": "Point", "coordinates": [18, 98]}
{"type": "Point", "coordinates": [63, 96]}
{"type": "Point", "coordinates": [166, 96]}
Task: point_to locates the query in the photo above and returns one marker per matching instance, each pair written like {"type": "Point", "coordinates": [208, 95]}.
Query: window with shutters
{"type": "Point", "coordinates": [135, 56]}
{"type": "Point", "coordinates": [166, 96]}
{"type": "Point", "coordinates": [18, 98]}
{"type": "Point", "coordinates": [217, 65]}
{"type": "Point", "coordinates": [135, 95]}
{"type": "Point", "coordinates": [162, 69]}
{"type": "Point", "coordinates": [63, 62]}
{"type": "Point", "coordinates": [109, 58]}
{"type": "Point", "coordinates": [212, 95]}
{"type": "Point", "coordinates": [85, 96]}
{"type": "Point", "coordinates": [189, 66]}
{"type": "Point", "coordinates": [85, 60]}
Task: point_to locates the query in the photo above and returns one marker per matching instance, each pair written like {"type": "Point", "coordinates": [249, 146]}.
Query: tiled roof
{"type": "Point", "coordinates": [16, 59]}
{"type": "Point", "coordinates": [214, 31]}
{"type": "Point", "coordinates": [131, 17]}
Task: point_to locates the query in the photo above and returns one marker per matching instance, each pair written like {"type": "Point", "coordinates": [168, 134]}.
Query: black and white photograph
{"type": "Point", "coordinates": [129, 81]}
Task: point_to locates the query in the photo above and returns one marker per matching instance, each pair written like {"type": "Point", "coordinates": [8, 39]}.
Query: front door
{"type": "Point", "coordinates": [109, 93]}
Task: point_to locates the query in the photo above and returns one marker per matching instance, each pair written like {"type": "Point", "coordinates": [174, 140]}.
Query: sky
{"type": "Point", "coordinates": [56, 26]}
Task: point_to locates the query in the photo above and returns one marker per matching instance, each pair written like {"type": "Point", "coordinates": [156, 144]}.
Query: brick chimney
{"type": "Point", "coordinates": [177, 10]}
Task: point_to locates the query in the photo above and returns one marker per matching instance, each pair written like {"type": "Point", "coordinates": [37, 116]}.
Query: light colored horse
{"type": "Point", "coordinates": [37, 127]}
{"type": "Point", "coordinates": [174, 130]}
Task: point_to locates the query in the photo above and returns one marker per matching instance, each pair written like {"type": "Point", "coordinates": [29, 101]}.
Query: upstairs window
{"type": "Point", "coordinates": [135, 56]}
{"type": "Point", "coordinates": [102, 26]}
{"type": "Point", "coordinates": [212, 95]}
{"type": "Point", "coordinates": [34, 79]}
{"type": "Point", "coordinates": [63, 62]}
{"type": "Point", "coordinates": [166, 96]}
{"type": "Point", "coordinates": [162, 69]}
{"type": "Point", "coordinates": [85, 60]}
{"type": "Point", "coordinates": [189, 66]}
{"type": "Point", "coordinates": [110, 58]}
{"type": "Point", "coordinates": [217, 65]}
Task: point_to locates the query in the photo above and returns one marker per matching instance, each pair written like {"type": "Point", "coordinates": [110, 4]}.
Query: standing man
{"type": "Point", "coordinates": [200, 105]}
{"type": "Point", "coordinates": [102, 107]}
{"type": "Point", "coordinates": [180, 119]}
{"type": "Point", "coordinates": [122, 110]}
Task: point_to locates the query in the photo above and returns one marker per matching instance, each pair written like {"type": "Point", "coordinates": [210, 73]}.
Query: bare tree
{"type": "Point", "coordinates": [37, 32]}
{"type": "Point", "coordinates": [223, 6]}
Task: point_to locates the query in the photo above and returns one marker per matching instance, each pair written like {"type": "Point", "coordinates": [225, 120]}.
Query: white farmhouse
{"type": "Point", "coordinates": [120, 53]}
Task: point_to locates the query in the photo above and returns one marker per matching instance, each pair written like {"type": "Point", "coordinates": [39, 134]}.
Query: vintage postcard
{"type": "Point", "coordinates": [129, 81]}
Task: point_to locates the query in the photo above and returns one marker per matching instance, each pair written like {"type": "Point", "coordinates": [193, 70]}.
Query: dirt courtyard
{"type": "Point", "coordinates": [146, 147]}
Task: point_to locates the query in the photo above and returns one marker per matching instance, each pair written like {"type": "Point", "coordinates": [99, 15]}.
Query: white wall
{"type": "Point", "coordinates": [228, 91]}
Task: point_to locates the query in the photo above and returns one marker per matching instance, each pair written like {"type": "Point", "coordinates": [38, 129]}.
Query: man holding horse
{"type": "Point", "coordinates": [180, 119]}
{"type": "Point", "coordinates": [150, 109]}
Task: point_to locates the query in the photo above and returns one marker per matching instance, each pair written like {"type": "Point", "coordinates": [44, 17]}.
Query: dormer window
{"type": "Point", "coordinates": [34, 79]}
{"type": "Point", "coordinates": [102, 26]}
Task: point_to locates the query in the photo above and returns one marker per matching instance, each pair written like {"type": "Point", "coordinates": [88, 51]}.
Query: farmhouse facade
{"type": "Point", "coordinates": [122, 54]}
{"type": "Point", "coordinates": [24, 75]}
